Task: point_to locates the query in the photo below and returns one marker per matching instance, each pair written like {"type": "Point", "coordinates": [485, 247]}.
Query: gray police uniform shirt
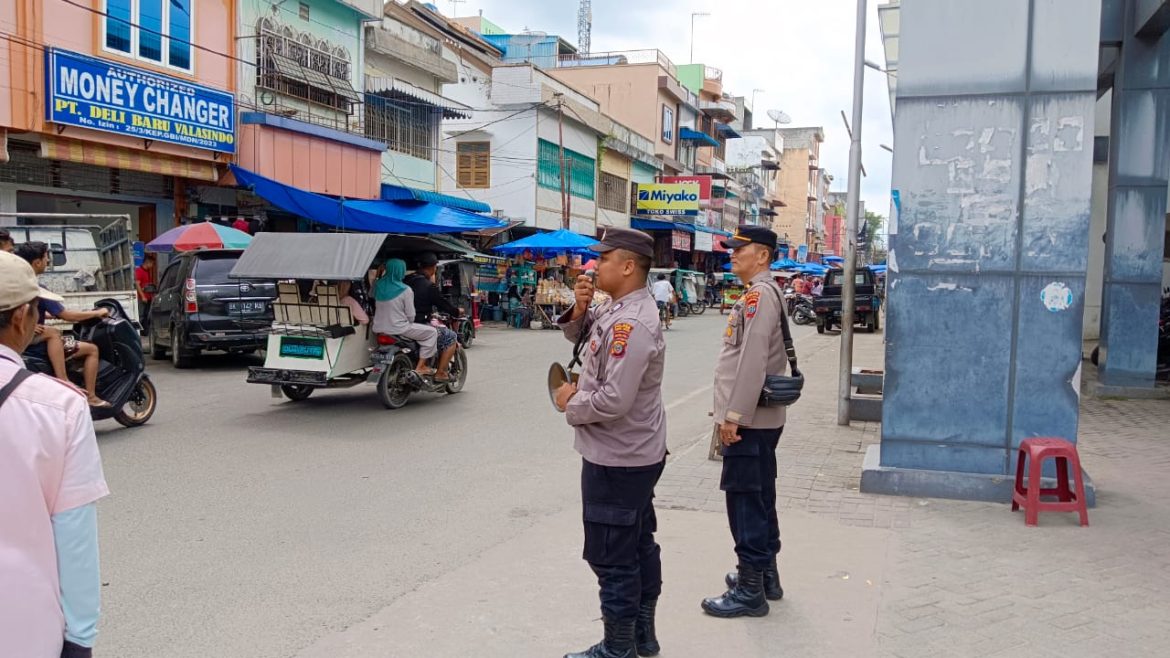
{"type": "Point", "coordinates": [617, 412]}
{"type": "Point", "coordinates": [753, 347]}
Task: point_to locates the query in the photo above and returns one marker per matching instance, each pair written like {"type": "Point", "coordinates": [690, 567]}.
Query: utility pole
{"type": "Point", "coordinates": [561, 142]}
{"type": "Point", "coordinates": [849, 287]}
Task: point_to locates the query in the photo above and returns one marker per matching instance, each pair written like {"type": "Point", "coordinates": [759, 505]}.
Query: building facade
{"type": "Point", "coordinates": [800, 187]}
{"type": "Point", "coordinates": [118, 111]}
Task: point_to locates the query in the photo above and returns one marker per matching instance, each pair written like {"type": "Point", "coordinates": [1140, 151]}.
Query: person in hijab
{"type": "Point", "coordinates": [394, 314]}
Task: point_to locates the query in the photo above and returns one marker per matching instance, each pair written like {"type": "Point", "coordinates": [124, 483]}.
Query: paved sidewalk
{"type": "Point", "coordinates": [969, 579]}
{"type": "Point", "coordinates": [864, 575]}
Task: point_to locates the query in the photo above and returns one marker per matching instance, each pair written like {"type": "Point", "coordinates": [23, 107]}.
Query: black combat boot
{"type": "Point", "coordinates": [644, 638]}
{"type": "Point", "coordinates": [772, 589]}
{"type": "Point", "coordinates": [745, 599]}
{"type": "Point", "coordinates": [618, 642]}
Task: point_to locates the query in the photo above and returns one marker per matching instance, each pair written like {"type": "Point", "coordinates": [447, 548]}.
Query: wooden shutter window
{"type": "Point", "coordinates": [473, 164]}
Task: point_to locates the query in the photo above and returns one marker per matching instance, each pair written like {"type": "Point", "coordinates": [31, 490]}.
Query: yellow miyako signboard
{"type": "Point", "coordinates": [668, 198]}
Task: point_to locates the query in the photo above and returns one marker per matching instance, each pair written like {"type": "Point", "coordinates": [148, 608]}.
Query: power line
{"type": "Point", "coordinates": [516, 113]}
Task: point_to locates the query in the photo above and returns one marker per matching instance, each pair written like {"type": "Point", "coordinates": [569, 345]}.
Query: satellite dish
{"type": "Point", "coordinates": [779, 117]}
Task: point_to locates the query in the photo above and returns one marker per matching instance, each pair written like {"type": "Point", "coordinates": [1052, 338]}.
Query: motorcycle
{"type": "Point", "coordinates": [394, 360]}
{"type": "Point", "coordinates": [122, 380]}
{"type": "Point", "coordinates": [463, 327]}
{"type": "Point", "coordinates": [802, 310]}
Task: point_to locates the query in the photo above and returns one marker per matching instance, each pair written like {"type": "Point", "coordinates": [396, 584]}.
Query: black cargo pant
{"type": "Point", "coordinates": [618, 505]}
{"type": "Point", "coordinates": [749, 481]}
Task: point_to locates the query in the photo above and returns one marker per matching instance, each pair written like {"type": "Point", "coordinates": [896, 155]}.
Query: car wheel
{"type": "Point", "coordinates": [296, 392]}
{"type": "Point", "coordinates": [180, 357]}
{"type": "Point", "coordinates": [141, 405]}
{"type": "Point", "coordinates": [158, 351]}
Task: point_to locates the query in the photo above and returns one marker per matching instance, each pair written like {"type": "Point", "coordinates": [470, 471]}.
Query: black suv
{"type": "Point", "coordinates": [197, 307]}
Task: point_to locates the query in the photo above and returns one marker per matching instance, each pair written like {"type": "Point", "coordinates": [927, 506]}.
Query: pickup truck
{"type": "Point", "coordinates": [866, 304]}
{"type": "Point", "coordinates": [88, 263]}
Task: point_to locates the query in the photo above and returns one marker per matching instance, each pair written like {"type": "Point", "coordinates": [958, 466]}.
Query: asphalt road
{"type": "Point", "coordinates": [240, 525]}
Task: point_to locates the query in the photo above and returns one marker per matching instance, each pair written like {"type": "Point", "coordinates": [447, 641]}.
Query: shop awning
{"type": "Point", "coordinates": [727, 131]}
{"type": "Point", "coordinates": [403, 193]}
{"type": "Point", "coordinates": [393, 88]}
{"type": "Point", "coordinates": [465, 250]}
{"type": "Point", "coordinates": [695, 135]}
{"type": "Point", "coordinates": [291, 69]}
{"type": "Point", "coordinates": [659, 225]}
{"type": "Point", "coordinates": [371, 216]}
{"type": "Point", "coordinates": [711, 229]}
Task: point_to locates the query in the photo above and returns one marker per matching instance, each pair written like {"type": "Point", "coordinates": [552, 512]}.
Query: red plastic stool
{"type": "Point", "coordinates": [1035, 451]}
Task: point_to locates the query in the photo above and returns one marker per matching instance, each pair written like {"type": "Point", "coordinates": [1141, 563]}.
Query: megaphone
{"type": "Point", "coordinates": [559, 375]}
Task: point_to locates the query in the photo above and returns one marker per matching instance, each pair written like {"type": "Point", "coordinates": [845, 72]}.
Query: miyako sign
{"type": "Point", "coordinates": [101, 95]}
{"type": "Point", "coordinates": [668, 198]}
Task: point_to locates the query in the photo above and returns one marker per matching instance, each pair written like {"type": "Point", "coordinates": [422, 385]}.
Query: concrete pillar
{"type": "Point", "coordinates": [993, 146]}
{"type": "Point", "coordinates": [1139, 165]}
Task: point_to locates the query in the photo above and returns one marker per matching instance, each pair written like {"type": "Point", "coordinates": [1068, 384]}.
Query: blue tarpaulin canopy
{"type": "Point", "coordinates": [403, 193]}
{"type": "Point", "coordinates": [557, 242]}
{"type": "Point", "coordinates": [833, 259]}
{"type": "Point", "coordinates": [660, 225]}
{"type": "Point", "coordinates": [372, 216]}
{"type": "Point", "coordinates": [812, 268]}
{"type": "Point", "coordinates": [785, 264]}
{"type": "Point", "coordinates": [878, 269]}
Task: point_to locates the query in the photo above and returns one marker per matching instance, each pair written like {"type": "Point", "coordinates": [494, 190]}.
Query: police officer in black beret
{"type": "Point", "coordinates": [620, 425]}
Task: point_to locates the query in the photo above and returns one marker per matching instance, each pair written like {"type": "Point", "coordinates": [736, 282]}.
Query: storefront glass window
{"type": "Point", "coordinates": [150, 27]}
{"type": "Point", "coordinates": [118, 25]}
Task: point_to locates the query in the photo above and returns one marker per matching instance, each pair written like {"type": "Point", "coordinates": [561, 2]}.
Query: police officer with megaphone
{"type": "Point", "coordinates": [617, 413]}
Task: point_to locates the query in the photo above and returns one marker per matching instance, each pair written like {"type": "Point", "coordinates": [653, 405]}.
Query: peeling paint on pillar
{"type": "Point", "coordinates": [993, 172]}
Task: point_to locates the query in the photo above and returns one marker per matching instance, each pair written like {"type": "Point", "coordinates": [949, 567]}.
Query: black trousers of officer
{"type": "Point", "coordinates": [618, 506]}
{"type": "Point", "coordinates": [749, 482]}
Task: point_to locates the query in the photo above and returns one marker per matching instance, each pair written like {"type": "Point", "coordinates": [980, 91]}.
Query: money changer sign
{"type": "Point", "coordinates": [668, 199]}
{"type": "Point", "coordinates": [97, 94]}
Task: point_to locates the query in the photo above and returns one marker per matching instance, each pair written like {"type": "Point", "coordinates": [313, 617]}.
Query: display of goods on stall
{"type": "Point", "coordinates": [491, 277]}
{"type": "Point", "coordinates": [553, 292]}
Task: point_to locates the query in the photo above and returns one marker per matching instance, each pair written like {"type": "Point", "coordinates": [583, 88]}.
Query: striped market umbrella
{"type": "Point", "coordinates": [206, 235]}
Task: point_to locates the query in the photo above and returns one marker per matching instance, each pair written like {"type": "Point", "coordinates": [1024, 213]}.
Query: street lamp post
{"type": "Point", "coordinates": [849, 286]}
{"type": "Point", "coordinates": [693, 15]}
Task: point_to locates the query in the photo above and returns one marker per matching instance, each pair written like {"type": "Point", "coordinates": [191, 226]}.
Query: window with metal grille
{"type": "Point", "coordinates": [405, 126]}
{"type": "Point", "coordinates": [613, 194]}
{"type": "Point", "coordinates": [302, 66]}
{"type": "Point", "coordinates": [473, 164]}
{"type": "Point", "coordinates": [580, 175]}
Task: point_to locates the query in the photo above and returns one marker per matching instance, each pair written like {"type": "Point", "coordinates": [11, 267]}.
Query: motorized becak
{"type": "Point", "coordinates": [314, 341]}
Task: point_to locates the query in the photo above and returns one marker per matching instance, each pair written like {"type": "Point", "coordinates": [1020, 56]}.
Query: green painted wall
{"type": "Point", "coordinates": [691, 76]}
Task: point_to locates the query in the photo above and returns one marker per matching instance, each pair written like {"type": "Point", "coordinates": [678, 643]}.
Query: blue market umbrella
{"type": "Point", "coordinates": [785, 264]}
{"type": "Point", "coordinates": [557, 242]}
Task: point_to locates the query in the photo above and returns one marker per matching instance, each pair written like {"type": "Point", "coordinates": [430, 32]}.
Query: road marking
{"type": "Point", "coordinates": [688, 396]}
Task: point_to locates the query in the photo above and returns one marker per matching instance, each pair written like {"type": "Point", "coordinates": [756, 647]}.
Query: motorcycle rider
{"type": "Point", "coordinates": [428, 297]}
{"type": "Point", "coordinates": [50, 344]}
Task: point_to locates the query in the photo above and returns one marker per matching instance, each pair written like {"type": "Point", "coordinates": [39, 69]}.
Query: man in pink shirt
{"type": "Point", "coordinates": [50, 477]}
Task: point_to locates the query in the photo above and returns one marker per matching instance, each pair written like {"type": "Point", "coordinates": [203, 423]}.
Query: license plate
{"type": "Point", "coordinates": [299, 347]}
{"type": "Point", "coordinates": [247, 307]}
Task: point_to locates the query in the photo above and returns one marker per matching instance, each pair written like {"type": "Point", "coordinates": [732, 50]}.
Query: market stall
{"type": "Point", "coordinates": [539, 276]}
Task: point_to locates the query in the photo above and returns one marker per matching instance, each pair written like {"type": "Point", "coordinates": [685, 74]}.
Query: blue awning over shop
{"type": "Point", "coordinates": [373, 216]}
{"type": "Point", "coordinates": [658, 225]}
{"type": "Point", "coordinates": [711, 229]}
{"type": "Point", "coordinates": [403, 193]}
{"type": "Point", "coordinates": [695, 135]}
{"type": "Point", "coordinates": [727, 131]}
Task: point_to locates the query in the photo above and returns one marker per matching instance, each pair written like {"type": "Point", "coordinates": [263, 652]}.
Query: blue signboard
{"type": "Point", "coordinates": [98, 94]}
{"type": "Point", "coordinates": [139, 251]}
{"type": "Point", "coordinates": [802, 253]}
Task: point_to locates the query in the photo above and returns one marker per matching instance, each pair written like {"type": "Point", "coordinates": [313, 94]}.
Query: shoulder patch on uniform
{"type": "Point", "coordinates": [621, 336]}
{"type": "Point", "coordinates": [751, 303]}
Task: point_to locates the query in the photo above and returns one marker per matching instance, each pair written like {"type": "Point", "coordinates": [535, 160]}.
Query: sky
{"type": "Point", "coordinates": [799, 52]}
